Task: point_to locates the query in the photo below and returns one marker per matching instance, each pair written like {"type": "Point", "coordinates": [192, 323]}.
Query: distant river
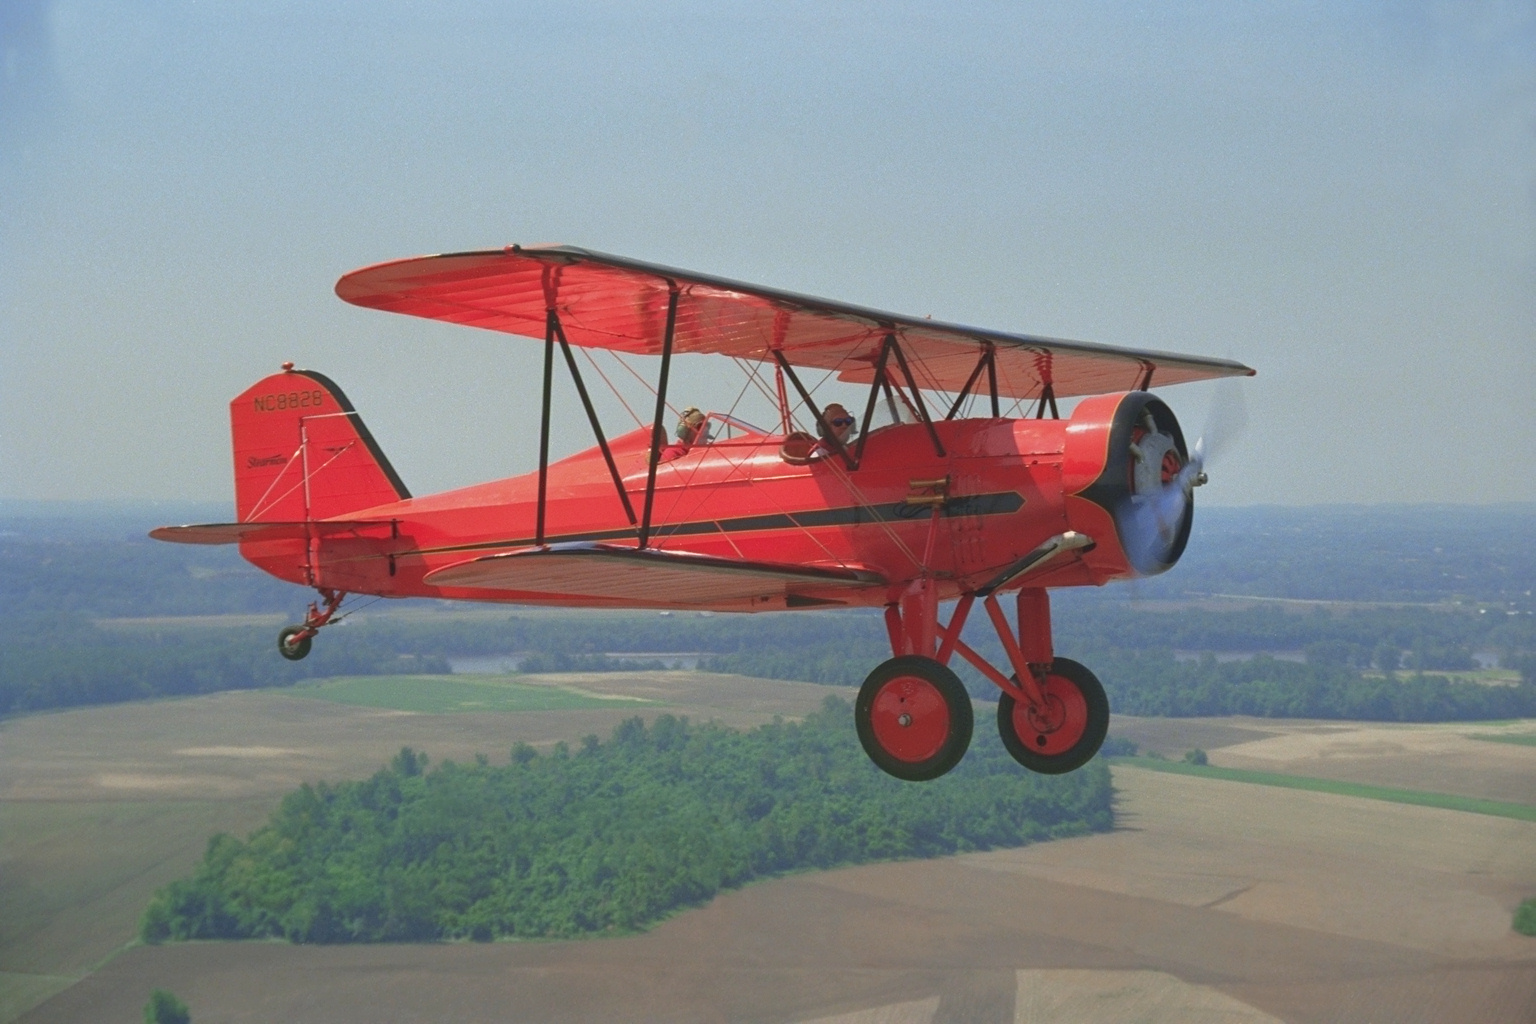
{"type": "Point", "coordinates": [494, 664]}
{"type": "Point", "coordinates": [1225, 656]}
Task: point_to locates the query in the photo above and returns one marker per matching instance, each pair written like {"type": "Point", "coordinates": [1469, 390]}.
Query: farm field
{"type": "Point", "coordinates": [1207, 905]}
{"type": "Point", "coordinates": [101, 806]}
{"type": "Point", "coordinates": [1520, 739]}
{"type": "Point", "coordinates": [440, 695]}
{"type": "Point", "coordinates": [1392, 794]}
{"type": "Point", "coordinates": [1452, 757]}
{"type": "Point", "coordinates": [1214, 900]}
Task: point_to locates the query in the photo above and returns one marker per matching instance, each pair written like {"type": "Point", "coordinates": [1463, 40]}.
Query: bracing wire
{"type": "Point", "coordinates": [648, 385]}
{"type": "Point", "coordinates": [616, 392]}
{"type": "Point", "coordinates": [354, 609]}
{"type": "Point", "coordinates": [750, 369]}
{"type": "Point", "coordinates": [874, 512]}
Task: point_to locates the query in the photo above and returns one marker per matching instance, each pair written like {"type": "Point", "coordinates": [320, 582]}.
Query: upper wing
{"type": "Point", "coordinates": [612, 302]}
{"type": "Point", "coordinates": [646, 575]}
{"type": "Point", "coordinates": [234, 533]}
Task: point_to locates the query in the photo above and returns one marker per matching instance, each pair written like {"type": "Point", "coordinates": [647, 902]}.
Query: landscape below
{"type": "Point", "coordinates": [1348, 615]}
{"type": "Point", "coordinates": [610, 837]}
{"type": "Point", "coordinates": [1392, 902]}
{"type": "Point", "coordinates": [1391, 614]}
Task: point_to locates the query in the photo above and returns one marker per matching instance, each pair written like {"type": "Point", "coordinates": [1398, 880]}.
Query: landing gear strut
{"type": "Point", "coordinates": [294, 642]}
{"type": "Point", "coordinates": [914, 716]}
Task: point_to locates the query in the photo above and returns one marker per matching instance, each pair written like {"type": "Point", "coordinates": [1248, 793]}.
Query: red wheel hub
{"type": "Point", "coordinates": [910, 719]}
{"type": "Point", "coordinates": [1055, 728]}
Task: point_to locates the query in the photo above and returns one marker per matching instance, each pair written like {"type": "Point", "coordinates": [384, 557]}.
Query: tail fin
{"type": "Point", "coordinates": [302, 452]}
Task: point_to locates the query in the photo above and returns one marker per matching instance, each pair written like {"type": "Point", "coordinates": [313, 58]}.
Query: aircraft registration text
{"type": "Point", "coordinates": [290, 400]}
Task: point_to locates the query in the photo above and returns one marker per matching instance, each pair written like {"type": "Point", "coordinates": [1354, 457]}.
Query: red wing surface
{"type": "Point", "coordinates": [646, 575]}
{"type": "Point", "coordinates": [615, 303]}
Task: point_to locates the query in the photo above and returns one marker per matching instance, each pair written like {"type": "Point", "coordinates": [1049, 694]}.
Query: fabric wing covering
{"type": "Point", "coordinates": [615, 303]}
{"type": "Point", "coordinates": [648, 575]}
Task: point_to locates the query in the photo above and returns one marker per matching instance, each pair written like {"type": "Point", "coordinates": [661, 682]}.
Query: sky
{"type": "Point", "coordinates": [1341, 195]}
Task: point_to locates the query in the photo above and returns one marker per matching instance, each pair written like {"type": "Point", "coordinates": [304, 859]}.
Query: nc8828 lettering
{"type": "Point", "coordinates": [290, 400]}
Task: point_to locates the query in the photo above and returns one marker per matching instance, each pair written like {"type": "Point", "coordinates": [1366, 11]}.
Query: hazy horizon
{"type": "Point", "coordinates": [1342, 196]}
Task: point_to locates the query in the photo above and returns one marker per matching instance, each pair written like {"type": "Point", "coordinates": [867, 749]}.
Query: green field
{"type": "Point", "coordinates": [76, 875]}
{"type": "Point", "coordinates": [441, 695]}
{"type": "Point", "coordinates": [1525, 740]}
{"type": "Point", "coordinates": [1485, 676]}
{"type": "Point", "coordinates": [1499, 808]}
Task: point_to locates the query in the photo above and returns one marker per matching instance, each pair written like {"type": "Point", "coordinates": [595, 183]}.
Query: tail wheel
{"type": "Point", "coordinates": [294, 642]}
{"type": "Point", "coordinates": [1062, 736]}
{"type": "Point", "coordinates": [914, 718]}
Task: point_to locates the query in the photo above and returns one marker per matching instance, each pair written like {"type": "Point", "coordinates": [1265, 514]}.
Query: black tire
{"type": "Point", "coordinates": [917, 693]}
{"type": "Point", "coordinates": [293, 650]}
{"type": "Point", "coordinates": [1065, 748]}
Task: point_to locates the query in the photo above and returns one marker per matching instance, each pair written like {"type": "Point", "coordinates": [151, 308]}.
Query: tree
{"type": "Point", "coordinates": [1525, 917]}
{"type": "Point", "coordinates": [165, 1008]}
{"type": "Point", "coordinates": [1525, 664]}
{"type": "Point", "coordinates": [611, 838]}
{"type": "Point", "coordinates": [408, 763]}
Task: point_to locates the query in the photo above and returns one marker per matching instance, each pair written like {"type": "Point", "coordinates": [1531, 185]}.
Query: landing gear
{"type": "Point", "coordinates": [914, 718]}
{"type": "Point", "coordinates": [1066, 732]}
{"type": "Point", "coordinates": [294, 642]}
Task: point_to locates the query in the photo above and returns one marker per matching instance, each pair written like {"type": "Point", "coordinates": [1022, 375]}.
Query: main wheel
{"type": "Point", "coordinates": [914, 718]}
{"type": "Point", "coordinates": [292, 645]}
{"type": "Point", "coordinates": [1067, 732]}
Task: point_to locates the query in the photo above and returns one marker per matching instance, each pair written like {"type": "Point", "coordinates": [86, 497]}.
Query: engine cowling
{"type": "Point", "coordinates": [1121, 476]}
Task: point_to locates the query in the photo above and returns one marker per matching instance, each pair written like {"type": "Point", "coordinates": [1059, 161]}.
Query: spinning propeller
{"type": "Point", "coordinates": [1155, 523]}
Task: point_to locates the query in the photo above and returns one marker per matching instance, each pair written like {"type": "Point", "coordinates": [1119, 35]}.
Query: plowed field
{"type": "Point", "coordinates": [1214, 900]}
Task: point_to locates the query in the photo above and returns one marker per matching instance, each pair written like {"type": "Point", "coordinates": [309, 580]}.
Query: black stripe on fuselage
{"type": "Point", "coordinates": [1001, 503]}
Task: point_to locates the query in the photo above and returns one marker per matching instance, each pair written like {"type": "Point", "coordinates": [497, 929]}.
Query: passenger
{"type": "Point", "coordinates": [836, 424]}
{"type": "Point", "coordinates": [689, 432]}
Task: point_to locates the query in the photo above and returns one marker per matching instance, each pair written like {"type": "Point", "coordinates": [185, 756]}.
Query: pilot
{"type": "Point", "coordinates": [689, 432]}
{"type": "Point", "coordinates": [836, 423]}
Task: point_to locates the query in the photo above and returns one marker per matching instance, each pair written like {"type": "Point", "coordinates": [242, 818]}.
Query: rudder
{"type": "Point", "coordinates": [302, 452]}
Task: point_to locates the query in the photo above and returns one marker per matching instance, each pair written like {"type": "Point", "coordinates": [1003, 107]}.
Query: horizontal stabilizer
{"type": "Point", "coordinates": [235, 533]}
{"type": "Point", "coordinates": [646, 575]}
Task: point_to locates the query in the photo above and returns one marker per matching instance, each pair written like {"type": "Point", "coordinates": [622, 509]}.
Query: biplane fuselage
{"type": "Point", "coordinates": [1003, 487]}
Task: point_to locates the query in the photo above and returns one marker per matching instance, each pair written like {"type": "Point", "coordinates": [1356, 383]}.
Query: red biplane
{"type": "Point", "coordinates": [916, 507]}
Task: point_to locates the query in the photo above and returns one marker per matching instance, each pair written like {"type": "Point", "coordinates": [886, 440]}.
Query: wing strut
{"type": "Point", "coordinates": [597, 428]}
{"type": "Point", "coordinates": [917, 396]}
{"type": "Point", "coordinates": [1047, 399]}
{"type": "Point", "coordinates": [992, 381]}
{"type": "Point", "coordinates": [661, 409]}
{"type": "Point", "coordinates": [988, 362]}
{"type": "Point", "coordinates": [874, 396]}
{"type": "Point", "coordinates": [553, 331]}
{"type": "Point", "coordinates": [549, 369]}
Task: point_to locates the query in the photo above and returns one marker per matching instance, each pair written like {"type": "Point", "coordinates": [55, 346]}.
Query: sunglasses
{"type": "Point", "coordinates": [843, 421]}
